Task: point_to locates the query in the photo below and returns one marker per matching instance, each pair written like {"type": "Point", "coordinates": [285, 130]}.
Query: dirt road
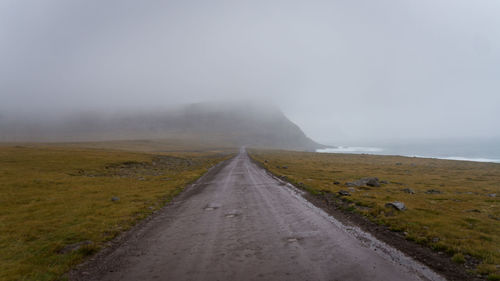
{"type": "Point", "coordinates": [240, 223]}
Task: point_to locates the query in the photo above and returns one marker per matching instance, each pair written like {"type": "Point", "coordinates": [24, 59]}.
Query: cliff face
{"type": "Point", "coordinates": [232, 124]}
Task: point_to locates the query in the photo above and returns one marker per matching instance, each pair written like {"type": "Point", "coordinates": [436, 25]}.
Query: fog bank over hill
{"type": "Point", "coordinates": [345, 71]}
{"type": "Point", "coordinates": [234, 123]}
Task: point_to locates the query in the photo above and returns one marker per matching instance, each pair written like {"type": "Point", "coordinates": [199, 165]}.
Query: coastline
{"type": "Point", "coordinates": [398, 152]}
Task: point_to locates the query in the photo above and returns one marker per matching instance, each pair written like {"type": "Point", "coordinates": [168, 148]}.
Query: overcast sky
{"type": "Point", "coordinates": [342, 70]}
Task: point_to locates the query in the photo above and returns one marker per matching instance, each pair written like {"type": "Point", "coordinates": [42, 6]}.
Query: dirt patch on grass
{"type": "Point", "coordinates": [159, 165]}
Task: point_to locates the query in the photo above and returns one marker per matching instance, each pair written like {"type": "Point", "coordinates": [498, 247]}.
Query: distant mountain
{"type": "Point", "coordinates": [236, 124]}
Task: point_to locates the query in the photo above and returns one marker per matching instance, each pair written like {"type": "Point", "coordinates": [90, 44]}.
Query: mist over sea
{"type": "Point", "coordinates": [480, 150]}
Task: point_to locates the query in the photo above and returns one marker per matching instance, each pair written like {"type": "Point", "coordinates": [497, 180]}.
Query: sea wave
{"type": "Point", "coordinates": [350, 149]}
{"type": "Point", "coordinates": [380, 151]}
{"type": "Point", "coordinates": [459, 158]}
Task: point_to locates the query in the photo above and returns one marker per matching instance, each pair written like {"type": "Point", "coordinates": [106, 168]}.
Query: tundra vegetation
{"type": "Point", "coordinates": [61, 203]}
{"type": "Point", "coordinates": [451, 206]}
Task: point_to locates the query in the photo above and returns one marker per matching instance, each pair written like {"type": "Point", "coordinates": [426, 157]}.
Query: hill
{"type": "Point", "coordinates": [234, 124]}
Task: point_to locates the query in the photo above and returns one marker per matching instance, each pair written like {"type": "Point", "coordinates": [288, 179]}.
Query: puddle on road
{"type": "Point", "coordinates": [212, 206]}
{"type": "Point", "coordinates": [232, 213]}
{"type": "Point", "coordinates": [293, 239]}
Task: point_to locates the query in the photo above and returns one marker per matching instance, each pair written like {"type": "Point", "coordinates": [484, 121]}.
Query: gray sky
{"type": "Point", "coordinates": [342, 70]}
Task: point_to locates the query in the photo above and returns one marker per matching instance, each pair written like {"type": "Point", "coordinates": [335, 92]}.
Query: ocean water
{"type": "Point", "coordinates": [480, 150]}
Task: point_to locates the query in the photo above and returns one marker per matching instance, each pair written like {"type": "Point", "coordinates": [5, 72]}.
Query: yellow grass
{"type": "Point", "coordinates": [53, 196]}
{"type": "Point", "coordinates": [463, 220]}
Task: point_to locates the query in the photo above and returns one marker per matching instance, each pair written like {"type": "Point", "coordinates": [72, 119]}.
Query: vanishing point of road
{"type": "Point", "coordinates": [240, 223]}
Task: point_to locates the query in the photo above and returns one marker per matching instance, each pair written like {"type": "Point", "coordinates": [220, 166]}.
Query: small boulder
{"type": "Point", "coordinates": [115, 199]}
{"type": "Point", "coordinates": [371, 182]}
{"type": "Point", "coordinates": [284, 167]}
{"type": "Point", "coordinates": [336, 183]}
{"type": "Point", "coordinates": [384, 182]}
{"type": "Point", "coordinates": [492, 195]}
{"type": "Point", "coordinates": [400, 206]}
{"type": "Point", "coordinates": [433, 191]}
{"type": "Point", "coordinates": [408, 190]}
{"type": "Point", "coordinates": [344, 193]}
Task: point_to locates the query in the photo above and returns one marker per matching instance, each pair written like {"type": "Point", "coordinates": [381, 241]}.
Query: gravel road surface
{"type": "Point", "coordinates": [240, 223]}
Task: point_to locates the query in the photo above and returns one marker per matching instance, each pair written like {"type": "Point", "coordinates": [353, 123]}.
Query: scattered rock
{"type": "Point", "coordinates": [435, 239]}
{"type": "Point", "coordinates": [284, 167]}
{"type": "Point", "coordinates": [384, 182]}
{"type": "Point", "coordinates": [433, 191]}
{"type": "Point", "coordinates": [492, 195]}
{"type": "Point", "coordinates": [400, 206]}
{"type": "Point", "coordinates": [336, 182]}
{"type": "Point", "coordinates": [493, 217]}
{"type": "Point", "coordinates": [115, 199]}
{"type": "Point", "coordinates": [265, 161]}
{"type": "Point", "coordinates": [399, 164]}
{"type": "Point", "coordinates": [408, 190]}
{"type": "Point", "coordinates": [370, 181]}
{"type": "Point", "coordinates": [351, 189]}
{"type": "Point", "coordinates": [473, 211]}
{"type": "Point", "coordinates": [344, 193]}
{"type": "Point", "coordinates": [74, 247]}
{"type": "Point", "coordinates": [277, 167]}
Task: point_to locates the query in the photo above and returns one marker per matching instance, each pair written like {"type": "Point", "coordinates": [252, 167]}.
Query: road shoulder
{"type": "Point", "coordinates": [110, 256]}
{"type": "Point", "coordinates": [440, 262]}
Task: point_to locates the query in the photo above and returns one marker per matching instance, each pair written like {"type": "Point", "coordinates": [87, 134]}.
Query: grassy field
{"type": "Point", "coordinates": [53, 197]}
{"type": "Point", "coordinates": [463, 219]}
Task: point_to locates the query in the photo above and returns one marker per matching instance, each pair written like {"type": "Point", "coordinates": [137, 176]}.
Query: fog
{"type": "Point", "coordinates": [342, 70]}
